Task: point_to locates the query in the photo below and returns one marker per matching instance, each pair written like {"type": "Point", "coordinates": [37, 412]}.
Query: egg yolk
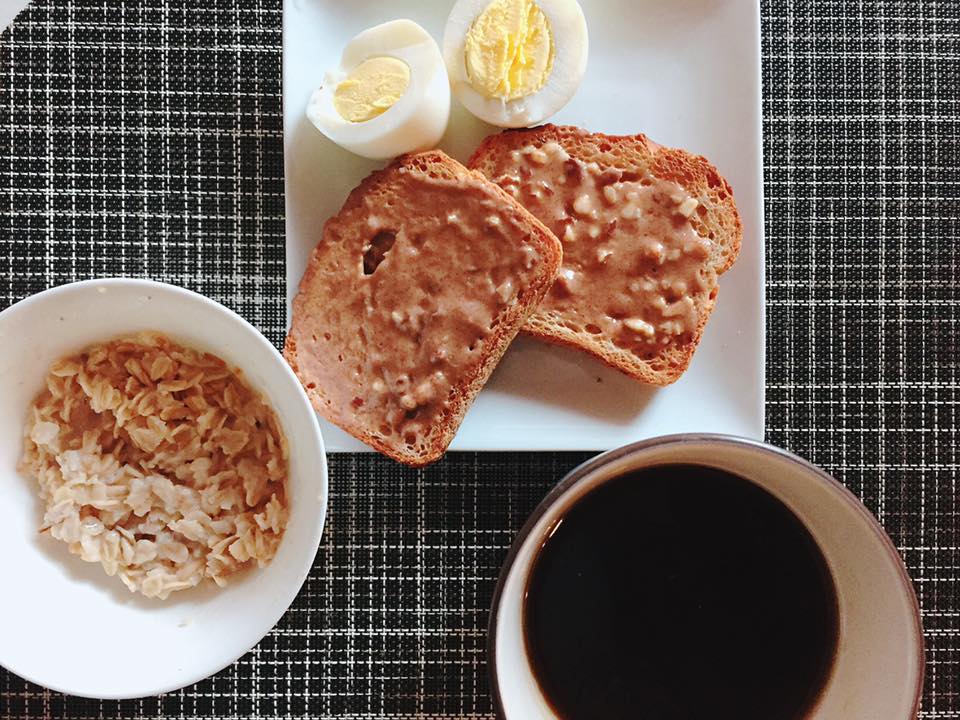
{"type": "Point", "coordinates": [509, 50]}
{"type": "Point", "coordinates": [372, 88]}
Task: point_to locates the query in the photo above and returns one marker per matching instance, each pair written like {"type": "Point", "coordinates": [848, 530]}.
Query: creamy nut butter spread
{"type": "Point", "coordinates": [405, 306]}
{"type": "Point", "coordinates": [632, 260]}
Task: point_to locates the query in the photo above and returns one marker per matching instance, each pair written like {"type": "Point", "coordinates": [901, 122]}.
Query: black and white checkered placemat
{"type": "Point", "coordinates": [143, 138]}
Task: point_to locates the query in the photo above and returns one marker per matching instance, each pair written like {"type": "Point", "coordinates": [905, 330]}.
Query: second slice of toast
{"type": "Point", "coordinates": [646, 231]}
{"type": "Point", "coordinates": [416, 289]}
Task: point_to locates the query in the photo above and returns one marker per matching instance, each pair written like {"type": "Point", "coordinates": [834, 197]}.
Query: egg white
{"type": "Point", "coordinates": [571, 47]}
{"type": "Point", "coordinates": [416, 121]}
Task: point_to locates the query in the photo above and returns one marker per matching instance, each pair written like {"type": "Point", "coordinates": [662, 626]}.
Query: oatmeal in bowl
{"type": "Point", "coordinates": [164, 483]}
{"type": "Point", "coordinates": [158, 461]}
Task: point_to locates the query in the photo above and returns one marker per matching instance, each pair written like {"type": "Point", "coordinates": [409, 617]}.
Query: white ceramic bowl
{"type": "Point", "coordinates": [64, 623]}
{"type": "Point", "coordinates": [878, 668]}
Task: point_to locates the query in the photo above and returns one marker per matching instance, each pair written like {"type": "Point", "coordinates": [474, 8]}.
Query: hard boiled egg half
{"type": "Point", "coordinates": [390, 95]}
{"type": "Point", "coordinates": [514, 63]}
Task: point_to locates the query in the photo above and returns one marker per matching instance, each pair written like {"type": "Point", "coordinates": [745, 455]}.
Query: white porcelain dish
{"type": "Point", "coordinates": [67, 625]}
{"type": "Point", "coordinates": [9, 9]}
{"type": "Point", "coordinates": [878, 668]}
{"type": "Point", "coordinates": [685, 72]}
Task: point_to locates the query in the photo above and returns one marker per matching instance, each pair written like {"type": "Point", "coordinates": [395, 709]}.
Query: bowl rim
{"type": "Point", "coordinates": [755, 446]}
{"type": "Point", "coordinates": [25, 304]}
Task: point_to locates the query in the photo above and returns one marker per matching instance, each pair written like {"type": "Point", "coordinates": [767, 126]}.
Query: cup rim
{"type": "Point", "coordinates": [596, 463]}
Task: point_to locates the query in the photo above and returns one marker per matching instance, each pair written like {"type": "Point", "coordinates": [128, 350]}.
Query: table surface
{"type": "Point", "coordinates": [144, 139]}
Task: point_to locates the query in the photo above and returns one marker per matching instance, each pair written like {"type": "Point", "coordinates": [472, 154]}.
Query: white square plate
{"type": "Point", "coordinates": [686, 73]}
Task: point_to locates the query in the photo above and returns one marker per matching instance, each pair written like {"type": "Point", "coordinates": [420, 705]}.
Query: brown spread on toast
{"type": "Point", "coordinates": [417, 331]}
{"type": "Point", "coordinates": [632, 260]}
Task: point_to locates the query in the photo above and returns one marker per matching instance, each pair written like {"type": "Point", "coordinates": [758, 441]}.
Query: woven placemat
{"type": "Point", "coordinates": [144, 139]}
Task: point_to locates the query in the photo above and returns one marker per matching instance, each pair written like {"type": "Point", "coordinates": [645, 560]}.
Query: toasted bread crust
{"type": "Point", "coordinates": [721, 222]}
{"type": "Point", "coordinates": [346, 233]}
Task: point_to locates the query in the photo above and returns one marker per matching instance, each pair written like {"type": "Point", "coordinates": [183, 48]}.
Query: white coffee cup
{"type": "Point", "coordinates": [878, 669]}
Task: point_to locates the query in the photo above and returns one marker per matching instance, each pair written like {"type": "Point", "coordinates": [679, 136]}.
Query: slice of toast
{"type": "Point", "coordinates": [646, 231]}
{"type": "Point", "coordinates": [418, 286]}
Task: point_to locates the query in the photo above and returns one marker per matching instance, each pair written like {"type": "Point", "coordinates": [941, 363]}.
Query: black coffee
{"type": "Point", "coordinates": [680, 592]}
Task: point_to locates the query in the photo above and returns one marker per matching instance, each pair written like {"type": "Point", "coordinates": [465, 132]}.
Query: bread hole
{"type": "Point", "coordinates": [410, 439]}
{"type": "Point", "coordinates": [386, 430]}
{"type": "Point", "coordinates": [377, 251]}
{"type": "Point", "coordinates": [313, 337]}
{"type": "Point", "coordinates": [326, 336]}
{"type": "Point", "coordinates": [646, 182]}
{"type": "Point", "coordinates": [593, 329]}
{"type": "Point", "coordinates": [340, 358]}
{"type": "Point", "coordinates": [702, 210]}
{"type": "Point", "coordinates": [311, 386]}
{"type": "Point", "coordinates": [609, 176]}
{"type": "Point", "coordinates": [412, 414]}
{"type": "Point", "coordinates": [605, 147]}
{"type": "Point", "coordinates": [357, 402]}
